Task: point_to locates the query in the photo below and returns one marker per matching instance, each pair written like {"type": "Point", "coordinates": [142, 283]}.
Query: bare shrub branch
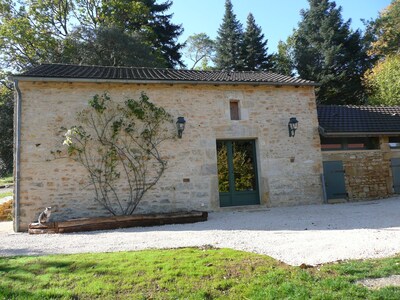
{"type": "Point", "coordinates": [119, 147]}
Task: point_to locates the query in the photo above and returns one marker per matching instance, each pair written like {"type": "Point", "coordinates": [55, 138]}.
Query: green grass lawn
{"type": "Point", "coordinates": [189, 273]}
{"type": "Point", "coordinates": [6, 180]}
{"type": "Point", "coordinates": [6, 194]}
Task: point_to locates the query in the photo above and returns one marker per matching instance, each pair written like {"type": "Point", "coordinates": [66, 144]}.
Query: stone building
{"type": "Point", "coordinates": [360, 151]}
{"type": "Point", "coordinates": [225, 112]}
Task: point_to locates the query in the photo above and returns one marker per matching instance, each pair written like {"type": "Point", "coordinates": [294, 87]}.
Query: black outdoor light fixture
{"type": "Point", "coordinates": [180, 125]}
{"type": "Point", "coordinates": [292, 125]}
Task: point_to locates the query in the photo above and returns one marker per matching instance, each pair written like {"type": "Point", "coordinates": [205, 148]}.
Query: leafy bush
{"type": "Point", "coordinates": [6, 131]}
{"type": "Point", "coordinates": [6, 211]}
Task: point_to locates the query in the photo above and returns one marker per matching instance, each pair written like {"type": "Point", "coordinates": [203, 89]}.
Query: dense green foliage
{"type": "Point", "coordinates": [111, 46]}
{"type": "Point", "coordinates": [283, 62]}
{"type": "Point", "coordinates": [6, 131]}
{"type": "Point", "coordinates": [118, 145]}
{"type": "Point", "coordinates": [237, 50]}
{"type": "Point", "coordinates": [148, 18]}
{"type": "Point", "coordinates": [86, 32]}
{"type": "Point", "coordinates": [327, 51]}
{"type": "Point", "coordinates": [254, 51]}
{"type": "Point", "coordinates": [187, 274]}
{"type": "Point", "coordinates": [385, 31]}
{"type": "Point", "coordinates": [383, 81]}
{"type": "Point", "coordinates": [229, 41]}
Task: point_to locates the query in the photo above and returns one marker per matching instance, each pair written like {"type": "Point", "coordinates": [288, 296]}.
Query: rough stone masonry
{"type": "Point", "coordinates": [288, 168]}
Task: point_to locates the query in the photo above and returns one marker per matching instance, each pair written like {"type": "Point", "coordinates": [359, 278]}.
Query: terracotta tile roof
{"type": "Point", "coordinates": [358, 119]}
{"type": "Point", "coordinates": [76, 72]}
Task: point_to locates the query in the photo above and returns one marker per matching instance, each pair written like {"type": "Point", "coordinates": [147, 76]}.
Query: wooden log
{"type": "Point", "coordinates": [50, 225]}
{"type": "Point", "coordinates": [42, 231]}
{"type": "Point", "coordinates": [132, 218]}
{"type": "Point", "coordinates": [115, 222]}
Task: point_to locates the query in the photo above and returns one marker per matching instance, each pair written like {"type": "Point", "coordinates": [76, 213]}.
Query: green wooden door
{"type": "Point", "coordinates": [334, 179]}
{"type": "Point", "coordinates": [396, 174]}
{"type": "Point", "coordinates": [237, 173]}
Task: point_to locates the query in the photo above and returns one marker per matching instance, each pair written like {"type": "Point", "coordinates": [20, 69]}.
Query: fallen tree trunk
{"type": "Point", "coordinates": [115, 222]}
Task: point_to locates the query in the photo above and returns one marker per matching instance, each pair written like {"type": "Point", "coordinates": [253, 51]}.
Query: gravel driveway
{"type": "Point", "coordinates": [312, 234]}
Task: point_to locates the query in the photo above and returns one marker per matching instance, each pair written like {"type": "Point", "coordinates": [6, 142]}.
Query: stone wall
{"type": "Point", "coordinates": [289, 168]}
{"type": "Point", "coordinates": [367, 173]}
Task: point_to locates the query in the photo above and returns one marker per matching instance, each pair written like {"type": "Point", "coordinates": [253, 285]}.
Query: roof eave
{"type": "Point", "coordinates": [93, 80]}
{"type": "Point", "coordinates": [324, 133]}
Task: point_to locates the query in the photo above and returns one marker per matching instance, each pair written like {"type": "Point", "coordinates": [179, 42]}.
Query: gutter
{"type": "Point", "coordinates": [94, 80]}
{"type": "Point", "coordinates": [324, 133]}
{"type": "Point", "coordinates": [17, 156]}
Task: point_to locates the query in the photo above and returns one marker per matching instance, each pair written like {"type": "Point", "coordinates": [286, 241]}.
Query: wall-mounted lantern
{"type": "Point", "coordinates": [292, 125]}
{"type": "Point", "coordinates": [180, 125]}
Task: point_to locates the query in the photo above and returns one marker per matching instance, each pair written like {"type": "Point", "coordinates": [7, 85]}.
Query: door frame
{"type": "Point", "coordinates": [239, 198]}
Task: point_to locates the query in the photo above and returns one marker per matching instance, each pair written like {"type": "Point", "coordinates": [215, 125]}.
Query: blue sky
{"type": "Point", "coordinates": [276, 17]}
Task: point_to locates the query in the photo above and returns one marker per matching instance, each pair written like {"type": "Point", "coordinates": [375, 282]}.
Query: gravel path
{"type": "Point", "coordinates": [311, 234]}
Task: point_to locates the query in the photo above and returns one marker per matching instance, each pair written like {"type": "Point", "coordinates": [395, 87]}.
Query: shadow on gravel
{"type": "Point", "coordinates": [379, 214]}
{"type": "Point", "coordinates": [21, 252]}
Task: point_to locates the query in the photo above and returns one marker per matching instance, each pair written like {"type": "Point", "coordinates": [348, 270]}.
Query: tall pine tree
{"type": "Point", "coordinates": [255, 47]}
{"type": "Point", "coordinates": [229, 41]}
{"type": "Point", "coordinates": [148, 18]}
{"type": "Point", "coordinates": [327, 51]}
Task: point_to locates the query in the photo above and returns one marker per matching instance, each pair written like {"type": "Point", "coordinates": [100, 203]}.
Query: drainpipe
{"type": "Point", "coordinates": [17, 156]}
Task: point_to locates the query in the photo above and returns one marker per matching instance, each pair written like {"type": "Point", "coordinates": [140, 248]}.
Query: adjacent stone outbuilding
{"type": "Point", "coordinates": [360, 151]}
{"type": "Point", "coordinates": [226, 112]}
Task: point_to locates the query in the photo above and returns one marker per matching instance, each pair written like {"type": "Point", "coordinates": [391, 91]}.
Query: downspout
{"type": "Point", "coordinates": [17, 157]}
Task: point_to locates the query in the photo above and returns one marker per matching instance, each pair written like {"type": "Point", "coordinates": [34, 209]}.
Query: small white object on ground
{"type": "Point", "coordinates": [312, 234]}
{"type": "Point", "coordinates": [377, 283]}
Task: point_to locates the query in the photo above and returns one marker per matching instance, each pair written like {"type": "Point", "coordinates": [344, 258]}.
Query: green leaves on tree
{"type": "Point", "coordinates": [118, 32]}
{"type": "Point", "coordinates": [6, 131]}
{"type": "Point", "coordinates": [327, 51]}
{"type": "Point", "coordinates": [200, 49]}
{"type": "Point", "coordinates": [237, 50]}
{"type": "Point", "coordinates": [383, 82]}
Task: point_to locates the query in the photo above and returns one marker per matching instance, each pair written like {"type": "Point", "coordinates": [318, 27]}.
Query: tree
{"type": "Point", "coordinates": [113, 47]}
{"type": "Point", "coordinates": [229, 41]}
{"type": "Point", "coordinates": [327, 51]}
{"type": "Point", "coordinates": [383, 81]}
{"type": "Point", "coordinates": [152, 22]}
{"type": "Point", "coordinates": [386, 31]}
{"type": "Point", "coordinates": [148, 18]}
{"type": "Point", "coordinates": [254, 47]}
{"type": "Point", "coordinates": [200, 48]}
{"type": "Point", "coordinates": [6, 131]}
{"type": "Point", "coordinates": [283, 59]}
{"type": "Point", "coordinates": [25, 38]}
{"type": "Point", "coordinates": [119, 146]}
{"type": "Point", "coordinates": [33, 32]}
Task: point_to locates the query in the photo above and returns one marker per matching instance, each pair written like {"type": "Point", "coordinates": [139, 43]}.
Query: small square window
{"type": "Point", "coordinates": [234, 107]}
